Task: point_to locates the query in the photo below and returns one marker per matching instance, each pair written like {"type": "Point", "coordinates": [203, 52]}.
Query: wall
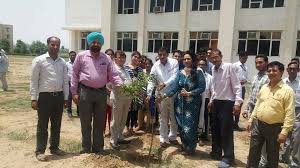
{"type": "Point", "coordinates": [85, 13]}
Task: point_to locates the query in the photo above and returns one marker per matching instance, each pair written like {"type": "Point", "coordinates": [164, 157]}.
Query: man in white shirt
{"type": "Point", "coordinates": [203, 65]}
{"type": "Point", "coordinates": [49, 90]}
{"type": "Point", "coordinates": [72, 56]}
{"type": "Point", "coordinates": [242, 72]}
{"type": "Point", "coordinates": [225, 101]}
{"type": "Point", "coordinates": [292, 144]}
{"type": "Point", "coordinates": [3, 69]}
{"type": "Point", "coordinates": [165, 71]}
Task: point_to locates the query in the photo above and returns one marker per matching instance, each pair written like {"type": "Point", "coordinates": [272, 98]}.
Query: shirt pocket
{"type": "Point", "coordinates": [102, 68]}
{"type": "Point", "coordinates": [276, 101]}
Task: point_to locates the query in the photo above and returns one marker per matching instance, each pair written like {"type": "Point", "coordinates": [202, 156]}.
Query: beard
{"type": "Point", "coordinates": [95, 49]}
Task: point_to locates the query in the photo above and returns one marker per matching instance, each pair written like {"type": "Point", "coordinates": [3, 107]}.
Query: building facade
{"type": "Point", "coordinates": [6, 32]}
{"type": "Point", "coordinates": [270, 27]}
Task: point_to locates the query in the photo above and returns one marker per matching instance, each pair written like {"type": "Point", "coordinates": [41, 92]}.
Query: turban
{"type": "Point", "coordinates": [95, 35]}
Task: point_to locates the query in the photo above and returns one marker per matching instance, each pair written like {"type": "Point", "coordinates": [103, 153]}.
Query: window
{"type": "Point", "coordinates": [262, 3]}
{"type": "Point", "coordinates": [7, 30]}
{"type": "Point", "coordinates": [298, 44]}
{"type": "Point", "coordinates": [162, 39]}
{"type": "Point", "coordinates": [128, 6]}
{"type": "Point", "coordinates": [200, 40]}
{"type": "Point", "coordinates": [255, 42]}
{"type": "Point", "coordinates": [83, 42]}
{"type": "Point", "coordinates": [7, 36]}
{"type": "Point", "coordinates": [205, 5]}
{"type": "Point", "coordinates": [159, 6]}
{"type": "Point", "coordinates": [127, 41]}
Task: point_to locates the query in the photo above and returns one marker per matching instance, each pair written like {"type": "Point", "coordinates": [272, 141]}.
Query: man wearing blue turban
{"type": "Point", "coordinates": [92, 70]}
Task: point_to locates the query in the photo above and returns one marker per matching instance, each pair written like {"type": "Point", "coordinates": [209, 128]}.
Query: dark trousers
{"type": "Point", "coordinates": [69, 103]}
{"type": "Point", "coordinates": [237, 117]}
{"type": "Point", "coordinates": [262, 132]}
{"type": "Point", "coordinates": [222, 138]}
{"type": "Point", "coordinates": [132, 118]}
{"type": "Point", "coordinates": [50, 106]}
{"type": "Point", "coordinates": [92, 106]}
{"type": "Point", "coordinates": [206, 119]}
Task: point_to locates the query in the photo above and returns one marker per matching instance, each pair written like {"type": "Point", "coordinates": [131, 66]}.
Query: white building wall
{"type": "Point", "coordinates": [268, 19]}
{"type": "Point", "coordinates": [79, 12]}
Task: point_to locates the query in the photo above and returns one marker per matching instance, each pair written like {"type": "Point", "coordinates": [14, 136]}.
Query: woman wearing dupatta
{"type": "Point", "coordinates": [188, 87]}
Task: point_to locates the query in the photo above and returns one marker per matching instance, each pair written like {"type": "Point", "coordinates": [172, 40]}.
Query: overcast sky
{"type": "Point", "coordinates": [35, 19]}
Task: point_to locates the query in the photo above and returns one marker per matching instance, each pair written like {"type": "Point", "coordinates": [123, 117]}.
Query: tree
{"type": "Point", "coordinates": [21, 47]}
{"type": "Point", "coordinates": [64, 50]}
{"type": "Point", "coordinates": [38, 48]}
{"type": "Point", "coordinates": [5, 45]}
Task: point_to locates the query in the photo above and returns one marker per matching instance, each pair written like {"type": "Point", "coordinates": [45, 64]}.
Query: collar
{"type": "Point", "coordinates": [279, 84]}
{"type": "Point", "coordinates": [295, 80]}
{"type": "Point", "coordinates": [48, 56]}
{"type": "Point", "coordinates": [166, 62]}
{"type": "Point", "coordinates": [90, 55]}
{"type": "Point", "coordinates": [220, 67]}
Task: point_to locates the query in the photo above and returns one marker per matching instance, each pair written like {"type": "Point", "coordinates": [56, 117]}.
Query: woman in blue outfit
{"type": "Point", "coordinates": [187, 88]}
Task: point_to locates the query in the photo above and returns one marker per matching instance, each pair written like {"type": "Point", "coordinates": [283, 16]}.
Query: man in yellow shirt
{"type": "Point", "coordinates": [272, 118]}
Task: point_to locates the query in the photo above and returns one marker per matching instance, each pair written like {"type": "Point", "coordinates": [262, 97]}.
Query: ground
{"type": "Point", "coordinates": [18, 129]}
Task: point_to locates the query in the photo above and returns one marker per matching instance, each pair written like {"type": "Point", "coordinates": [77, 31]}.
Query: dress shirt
{"type": "Point", "coordinates": [49, 75]}
{"type": "Point", "coordinates": [163, 74]}
{"type": "Point", "coordinates": [259, 80]}
{"type": "Point", "coordinates": [70, 69]}
{"type": "Point", "coordinates": [241, 70]}
{"type": "Point", "coordinates": [209, 67]}
{"type": "Point", "coordinates": [295, 85]}
{"type": "Point", "coordinates": [208, 84]}
{"type": "Point", "coordinates": [94, 72]}
{"type": "Point", "coordinates": [226, 85]}
{"type": "Point", "coordinates": [3, 62]}
{"type": "Point", "coordinates": [126, 79]}
{"type": "Point", "coordinates": [275, 105]}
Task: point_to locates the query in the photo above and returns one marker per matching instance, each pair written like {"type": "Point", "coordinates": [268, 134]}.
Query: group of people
{"type": "Point", "coordinates": [194, 93]}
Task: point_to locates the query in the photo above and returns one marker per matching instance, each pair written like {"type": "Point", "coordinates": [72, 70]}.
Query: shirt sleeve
{"type": "Point", "coordinates": [174, 73]}
{"type": "Point", "coordinates": [257, 104]}
{"type": "Point", "coordinates": [236, 87]}
{"type": "Point", "coordinates": [113, 75]}
{"type": "Point", "coordinates": [75, 75]}
{"type": "Point", "coordinates": [66, 82]}
{"type": "Point", "coordinates": [289, 104]}
{"type": "Point", "coordinates": [34, 81]}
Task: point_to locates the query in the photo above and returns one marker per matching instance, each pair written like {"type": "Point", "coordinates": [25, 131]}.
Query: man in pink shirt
{"type": "Point", "coordinates": [92, 70]}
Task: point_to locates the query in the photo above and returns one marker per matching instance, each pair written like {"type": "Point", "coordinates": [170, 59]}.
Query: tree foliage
{"type": "Point", "coordinates": [21, 47]}
{"type": "Point", "coordinates": [5, 45]}
{"type": "Point", "coordinates": [38, 48]}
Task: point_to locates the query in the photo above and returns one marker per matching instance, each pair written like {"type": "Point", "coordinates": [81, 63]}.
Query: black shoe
{"type": "Point", "coordinates": [102, 152]}
{"type": "Point", "coordinates": [174, 142]}
{"type": "Point", "coordinates": [84, 151]}
{"type": "Point", "coordinates": [123, 141]}
{"type": "Point", "coordinates": [238, 128]}
{"type": "Point", "coordinates": [115, 146]}
{"type": "Point", "coordinates": [215, 156]}
{"type": "Point", "coordinates": [58, 152]}
{"type": "Point", "coordinates": [164, 144]}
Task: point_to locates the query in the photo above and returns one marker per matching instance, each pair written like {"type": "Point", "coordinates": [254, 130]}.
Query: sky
{"type": "Point", "coordinates": [35, 19]}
